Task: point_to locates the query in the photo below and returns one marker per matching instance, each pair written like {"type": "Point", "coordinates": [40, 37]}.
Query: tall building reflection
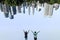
{"type": "Point", "coordinates": [33, 5]}
{"type": "Point", "coordinates": [19, 9]}
{"type": "Point", "coordinates": [14, 9]}
{"type": "Point", "coordinates": [11, 10]}
{"type": "Point", "coordinates": [2, 7]}
{"type": "Point", "coordinates": [24, 4]}
{"type": "Point", "coordinates": [29, 9]}
{"type": "Point", "coordinates": [11, 16]}
{"type": "Point", "coordinates": [12, 13]}
{"type": "Point", "coordinates": [6, 10]}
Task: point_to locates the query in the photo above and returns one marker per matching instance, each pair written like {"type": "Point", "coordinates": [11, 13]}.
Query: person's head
{"type": "Point", "coordinates": [26, 31]}
{"type": "Point", "coordinates": [35, 32]}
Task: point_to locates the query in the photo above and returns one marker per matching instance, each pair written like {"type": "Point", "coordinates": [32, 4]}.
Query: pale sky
{"type": "Point", "coordinates": [49, 27]}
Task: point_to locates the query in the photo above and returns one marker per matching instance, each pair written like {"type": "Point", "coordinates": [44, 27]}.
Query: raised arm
{"type": "Point", "coordinates": [38, 32]}
{"type": "Point", "coordinates": [28, 31]}
{"type": "Point", "coordinates": [32, 31]}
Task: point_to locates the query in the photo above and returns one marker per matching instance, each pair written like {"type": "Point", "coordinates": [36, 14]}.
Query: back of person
{"type": "Point", "coordinates": [35, 35]}
{"type": "Point", "coordinates": [26, 34]}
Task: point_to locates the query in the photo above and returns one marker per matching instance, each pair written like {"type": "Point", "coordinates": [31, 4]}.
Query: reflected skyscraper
{"type": "Point", "coordinates": [39, 5]}
{"type": "Point", "coordinates": [50, 10]}
{"type": "Point", "coordinates": [11, 13]}
{"type": "Point", "coordinates": [33, 5]}
{"type": "Point", "coordinates": [29, 9]}
{"type": "Point", "coordinates": [27, 5]}
{"type": "Point", "coordinates": [14, 9]}
{"type": "Point", "coordinates": [24, 4]}
{"type": "Point", "coordinates": [6, 10]}
{"type": "Point", "coordinates": [46, 9]}
{"type": "Point", "coordinates": [24, 7]}
{"type": "Point", "coordinates": [2, 5]}
{"type": "Point", "coordinates": [19, 9]}
{"type": "Point", "coordinates": [10, 10]}
{"type": "Point", "coordinates": [56, 6]}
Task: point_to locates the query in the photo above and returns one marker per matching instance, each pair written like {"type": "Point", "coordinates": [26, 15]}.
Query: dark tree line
{"type": "Point", "coordinates": [19, 2]}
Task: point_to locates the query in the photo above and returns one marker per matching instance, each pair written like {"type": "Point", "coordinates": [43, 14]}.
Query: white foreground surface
{"type": "Point", "coordinates": [13, 29]}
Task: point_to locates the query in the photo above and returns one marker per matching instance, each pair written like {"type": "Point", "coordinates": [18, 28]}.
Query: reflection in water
{"type": "Point", "coordinates": [10, 11]}
{"type": "Point", "coordinates": [33, 5]}
{"type": "Point", "coordinates": [6, 10]}
{"type": "Point", "coordinates": [14, 9]}
{"type": "Point", "coordinates": [19, 9]}
{"type": "Point", "coordinates": [29, 9]}
{"type": "Point", "coordinates": [56, 6]}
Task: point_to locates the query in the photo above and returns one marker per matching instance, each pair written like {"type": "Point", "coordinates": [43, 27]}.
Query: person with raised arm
{"type": "Point", "coordinates": [26, 34]}
{"type": "Point", "coordinates": [35, 34]}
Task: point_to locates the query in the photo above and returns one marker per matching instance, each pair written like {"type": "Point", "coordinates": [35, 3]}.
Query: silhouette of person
{"type": "Point", "coordinates": [35, 34]}
{"type": "Point", "coordinates": [26, 34]}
